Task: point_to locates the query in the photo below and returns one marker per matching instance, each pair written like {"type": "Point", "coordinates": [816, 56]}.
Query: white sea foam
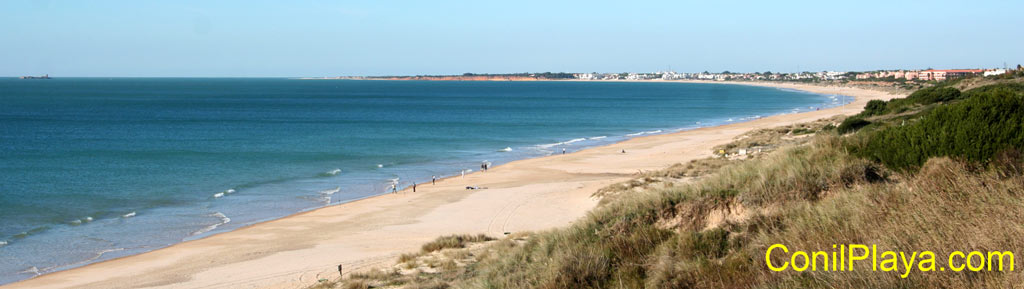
{"type": "Point", "coordinates": [574, 140]}
{"type": "Point", "coordinates": [98, 255]}
{"type": "Point", "coordinates": [334, 172]}
{"type": "Point", "coordinates": [87, 219]}
{"type": "Point", "coordinates": [230, 191]}
{"type": "Point", "coordinates": [380, 165]}
{"type": "Point", "coordinates": [34, 270]}
{"type": "Point", "coordinates": [3, 243]}
{"type": "Point", "coordinates": [223, 220]}
{"type": "Point", "coordinates": [544, 146]}
{"type": "Point", "coordinates": [331, 191]}
{"type": "Point", "coordinates": [506, 149]}
{"type": "Point", "coordinates": [76, 222]}
{"type": "Point", "coordinates": [129, 215]}
{"type": "Point", "coordinates": [218, 195]}
{"type": "Point", "coordinates": [598, 137]}
{"type": "Point", "coordinates": [644, 132]}
{"type": "Point", "coordinates": [95, 256]}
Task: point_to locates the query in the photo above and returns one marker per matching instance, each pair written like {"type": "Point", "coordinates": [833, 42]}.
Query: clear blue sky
{"type": "Point", "coordinates": [328, 38]}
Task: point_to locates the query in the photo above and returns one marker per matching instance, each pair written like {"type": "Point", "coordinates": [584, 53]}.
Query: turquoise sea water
{"type": "Point", "coordinates": [93, 169]}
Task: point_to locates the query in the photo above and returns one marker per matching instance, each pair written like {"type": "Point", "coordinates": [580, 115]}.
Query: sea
{"type": "Point", "coordinates": [98, 168]}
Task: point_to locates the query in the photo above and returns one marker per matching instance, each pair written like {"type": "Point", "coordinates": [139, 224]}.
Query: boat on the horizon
{"type": "Point", "coordinates": [45, 76]}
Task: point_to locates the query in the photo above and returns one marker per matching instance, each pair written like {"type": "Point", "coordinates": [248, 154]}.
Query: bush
{"type": "Point", "coordinates": [851, 124]}
{"type": "Point", "coordinates": [934, 94]}
{"type": "Point", "coordinates": [1018, 87]}
{"type": "Point", "coordinates": [976, 129]}
{"type": "Point", "coordinates": [874, 107]}
{"type": "Point", "coordinates": [922, 96]}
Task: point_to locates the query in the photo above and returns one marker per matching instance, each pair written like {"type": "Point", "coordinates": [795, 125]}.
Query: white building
{"type": "Point", "coordinates": [992, 72]}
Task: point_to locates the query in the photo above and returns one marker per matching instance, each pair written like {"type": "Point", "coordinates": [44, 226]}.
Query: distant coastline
{"type": "Point", "coordinates": [465, 77]}
{"type": "Point", "coordinates": [44, 76]}
{"type": "Point", "coordinates": [900, 79]}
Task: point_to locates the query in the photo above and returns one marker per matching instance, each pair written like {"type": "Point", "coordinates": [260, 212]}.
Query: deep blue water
{"type": "Point", "coordinates": [92, 169]}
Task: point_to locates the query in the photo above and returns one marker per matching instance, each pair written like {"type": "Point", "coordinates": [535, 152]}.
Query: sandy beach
{"type": "Point", "coordinates": [526, 195]}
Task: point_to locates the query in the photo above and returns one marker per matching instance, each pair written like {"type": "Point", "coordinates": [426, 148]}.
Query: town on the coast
{"type": "Point", "coordinates": [895, 77]}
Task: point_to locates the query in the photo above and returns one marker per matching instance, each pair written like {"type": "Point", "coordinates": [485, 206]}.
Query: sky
{"type": "Point", "coordinates": [115, 38]}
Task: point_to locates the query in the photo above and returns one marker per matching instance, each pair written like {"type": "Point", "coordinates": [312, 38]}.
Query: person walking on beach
{"type": "Point", "coordinates": [563, 151]}
{"type": "Point", "coordinates": [413, 187]}
{"type": "Point", "coordinates": [394, 188]}
{"type": "Point", "coordinates": [433, 180]}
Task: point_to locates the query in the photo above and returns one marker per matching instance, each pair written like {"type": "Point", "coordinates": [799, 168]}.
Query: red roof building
{"type": "Point", "coordinates": [940, 75]}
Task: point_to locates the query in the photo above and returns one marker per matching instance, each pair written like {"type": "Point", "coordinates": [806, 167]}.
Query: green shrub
{"type": "Point", "coordinates": [934, 94]}
{"type": "Point", "coordinates": [1017, 87]}
{"type": "Point", "coordinates": [975, 129]}
{"type": "Point", "coordinates": [851, 124]}
{"type": "Point", "coordinates": [874, 107]}
{"type": "Point", "coordinates": [922, 96]}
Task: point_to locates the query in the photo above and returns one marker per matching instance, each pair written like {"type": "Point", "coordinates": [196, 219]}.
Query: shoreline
{"type": "Point", "coordinates": [523, 195]}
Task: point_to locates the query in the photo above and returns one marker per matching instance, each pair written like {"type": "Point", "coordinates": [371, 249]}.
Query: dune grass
{"type": "Point", "coordinates": [454, 241]}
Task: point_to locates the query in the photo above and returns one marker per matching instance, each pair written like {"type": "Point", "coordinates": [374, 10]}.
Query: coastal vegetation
{"type": "Point", "coordinates": [938, 170]}
{"type": "Point", "coordinates": [989, 120]}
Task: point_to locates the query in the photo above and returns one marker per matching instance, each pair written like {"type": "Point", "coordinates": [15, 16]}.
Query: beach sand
{"type": "Point", "coordinates": [526, 195]}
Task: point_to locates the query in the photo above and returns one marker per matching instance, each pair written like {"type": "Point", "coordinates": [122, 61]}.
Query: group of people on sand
{"type": "Point", "coordinates": [484, 166]}
{"type": "Point", "coordinates": [394, 184]}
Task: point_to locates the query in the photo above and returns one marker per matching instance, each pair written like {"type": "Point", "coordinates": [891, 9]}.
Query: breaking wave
{"type": "Point", "coordinates": [331, 191]}
{"type": "Point", "coordinates": [329, 173]}
{"type": "Point", "coordinates": [561, 143]}
{"type": "Point", "coordinates": [644, 132]}
{"type": "Point", "coordinates": [223, 220]}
